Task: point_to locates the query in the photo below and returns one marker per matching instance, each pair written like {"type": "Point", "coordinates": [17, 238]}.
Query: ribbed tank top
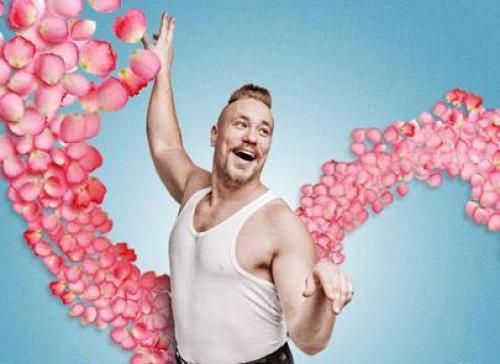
{"type": "Point", "coordinates": [222, 313]}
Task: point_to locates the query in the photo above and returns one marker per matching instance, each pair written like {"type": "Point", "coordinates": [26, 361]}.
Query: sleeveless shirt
{"type": "Point", "coordinates": [222, 313]}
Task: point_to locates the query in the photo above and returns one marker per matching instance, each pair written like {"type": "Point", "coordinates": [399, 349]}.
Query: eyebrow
{"type": "Point", "coordinates": [265, 122]}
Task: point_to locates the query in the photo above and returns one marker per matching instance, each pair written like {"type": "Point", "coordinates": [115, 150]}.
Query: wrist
{"type": "Point", "coordinates": [164, 77]}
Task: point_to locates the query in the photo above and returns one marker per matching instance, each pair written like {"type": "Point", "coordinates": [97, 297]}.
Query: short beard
{"type": "Point", "coordinates": [235, 181]}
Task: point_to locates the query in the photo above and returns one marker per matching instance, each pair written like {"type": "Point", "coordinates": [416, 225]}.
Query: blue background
{"type": "Point", "coordinates": [426, 278]}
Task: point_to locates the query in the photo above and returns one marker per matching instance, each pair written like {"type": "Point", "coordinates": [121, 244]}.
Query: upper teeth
{"type": "Point", "coordinates": [247, 152]}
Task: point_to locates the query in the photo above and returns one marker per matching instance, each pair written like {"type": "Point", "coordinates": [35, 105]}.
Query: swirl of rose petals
{"type": "Point", "coordinates": [459, 138]}
{"type": "Point", "coordinates": [47, 161]}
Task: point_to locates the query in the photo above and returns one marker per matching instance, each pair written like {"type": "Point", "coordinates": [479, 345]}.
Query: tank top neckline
{"type": "Point", "coordinates": [206, 191]}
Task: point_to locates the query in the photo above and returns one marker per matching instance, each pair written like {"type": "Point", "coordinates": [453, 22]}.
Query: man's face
{"type": "Point", "coordinates": [242, 140]}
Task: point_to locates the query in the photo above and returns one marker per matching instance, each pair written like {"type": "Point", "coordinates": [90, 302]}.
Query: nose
{"type": "Point", "coordinates": [250, 136]}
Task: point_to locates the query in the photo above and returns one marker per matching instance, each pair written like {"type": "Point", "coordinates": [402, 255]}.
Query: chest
{"type": "Point", "coordinates": [253, 243]}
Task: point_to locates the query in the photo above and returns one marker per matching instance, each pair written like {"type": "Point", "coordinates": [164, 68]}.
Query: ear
{"type": "Point", "coordinates": [214, 131]}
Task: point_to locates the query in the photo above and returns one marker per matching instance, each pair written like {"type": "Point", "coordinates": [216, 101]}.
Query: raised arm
{"type": "Point", "coordinates": [171, 161]}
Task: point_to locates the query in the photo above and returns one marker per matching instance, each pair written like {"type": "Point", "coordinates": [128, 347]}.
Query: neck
{"type": "Point", "coordinates": [234, 194]}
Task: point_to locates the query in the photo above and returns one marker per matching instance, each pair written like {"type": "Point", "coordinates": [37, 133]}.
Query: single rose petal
{"type": "Point", "coordinates": [18, 52]}
{"type": "Point", "coordinates": [97, 57]}
{"type": "Point", "coordinates": [22, 83]}
{"type": "Point", "coordinates": [22, 14]}
{"type": "Point", "coordinates": [45, 140]}
{"type": "Point", "coordinates": [131, 27]}
{"type": "Point", "coordinates": [111, 95]}
{"type": "Point", "coordinates": [83, 29]}
{"type": "Point", "coordinates": [92, 159]}
{"type": "Point", "coordinates": [67, 8]}
{"type": "Point", "coordinates": [11, 107]}
{"type": "Point", "coordinates": [145, 64]}
{"type": "Point", "coordinates": [105, 6]}
{"type": "Point", "coordinates": [54, 263]}
{"type": "Point", "coordinates": [91, 293]}
{"type": "Point", "coordinates": [473, 102]}
{"type": "Point", "coordinates": [54, 187]}
{"type": "Point", "coordinates": [92, 124]}
{"type": "Point", "coordinates": [73, 128]}
{"type": "Point", "coordinates": [32, 123]}
{"type": "Point", "coordinates": [76, 174]}
{"type": "Point", "coordinates": [96, 190]}
{"type": "Point", "coordinates": [89, 315]}
{"type": "Point", "coordinates": [50, 68]}
{"type": "Point", "coordinates": [76, 84]}
{"type": "Point", "coordinates": [39, 161]}
{"type": "Point", "coordinates": [48, 98]}
{"type": "Point", "coordinates": [77, 310]}
{"type": "Point", "coordinates": [53, 29]}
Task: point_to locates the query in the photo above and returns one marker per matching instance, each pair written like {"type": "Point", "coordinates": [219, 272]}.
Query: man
{"type": "Point", "coordinates": [243, 270]}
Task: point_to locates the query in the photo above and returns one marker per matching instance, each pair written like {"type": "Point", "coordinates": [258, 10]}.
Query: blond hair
{"type": "Point", "coordinates": [252, 91]}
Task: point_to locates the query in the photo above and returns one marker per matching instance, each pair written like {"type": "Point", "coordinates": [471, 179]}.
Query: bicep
{"type": "Point", "coordinates": [175, 169]}
{"type": "Point", "coordinates": [291, 266]}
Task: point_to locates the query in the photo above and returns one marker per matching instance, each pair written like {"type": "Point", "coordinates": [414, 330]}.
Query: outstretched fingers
{"type": "Point", "coordinates": [162, 32]}
{"type": "Point", "coordinates": [171, 27]}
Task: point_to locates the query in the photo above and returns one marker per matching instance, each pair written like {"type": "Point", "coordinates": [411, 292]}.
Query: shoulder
{"type": "Point", "coordinates": [287, 228]}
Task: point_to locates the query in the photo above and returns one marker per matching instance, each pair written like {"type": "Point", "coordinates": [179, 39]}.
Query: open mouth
{"type": "Point", "coordinates": [245, 154]}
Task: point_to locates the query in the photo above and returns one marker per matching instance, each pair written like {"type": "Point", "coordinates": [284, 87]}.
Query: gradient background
{"type": "Point", "coordinates": [426, 278]}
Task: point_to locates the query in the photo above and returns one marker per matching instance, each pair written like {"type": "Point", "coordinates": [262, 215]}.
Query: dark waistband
{"type": "Point", "coordinates": [280, 355]}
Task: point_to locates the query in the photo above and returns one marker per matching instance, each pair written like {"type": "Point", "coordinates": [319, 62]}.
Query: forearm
{"type": "Point", "coordinates": [162, 127]}
{"type": "Point", "coordinates": [314, 323]}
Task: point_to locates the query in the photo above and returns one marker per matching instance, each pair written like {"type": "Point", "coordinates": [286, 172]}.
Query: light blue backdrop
{"type": "Point", "coordinates": [426, 278]}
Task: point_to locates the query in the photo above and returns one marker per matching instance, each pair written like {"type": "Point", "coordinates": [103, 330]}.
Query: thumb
{"type": "Point", "coordinates": [310, 286]}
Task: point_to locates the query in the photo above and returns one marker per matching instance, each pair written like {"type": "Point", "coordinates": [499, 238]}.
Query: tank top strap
{"type": "Point", "coordinates": [243, 214]}
{"type": "Point", "coordinates": [193, 200]}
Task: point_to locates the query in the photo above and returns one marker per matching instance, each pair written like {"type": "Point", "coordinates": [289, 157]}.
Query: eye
{"type": "Point", "coordinates": [265, 131]}
{"type": "Point", "coordinates": [239, 123]}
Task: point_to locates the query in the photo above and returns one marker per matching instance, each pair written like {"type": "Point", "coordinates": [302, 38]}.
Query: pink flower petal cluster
{"type": "Point", "coordinates": [48, 162]}
{"type": "Point", "coordinates": [462, 139]}
{"type": "Point", "coordinates": [144, 66]}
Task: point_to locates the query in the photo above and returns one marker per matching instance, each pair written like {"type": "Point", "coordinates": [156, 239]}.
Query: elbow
{"type": "Point", "coordinates": [308, 346]}
{"type": "Point", "coordinates": [312, 349]}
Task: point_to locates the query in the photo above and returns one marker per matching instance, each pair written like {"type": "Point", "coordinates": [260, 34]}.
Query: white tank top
{"type": "Point", "coordinates": [222, 313]}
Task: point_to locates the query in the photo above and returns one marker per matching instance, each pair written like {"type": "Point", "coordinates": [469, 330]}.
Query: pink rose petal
{"type": "Point", "coordinates": [83, 29]}
{"type": "Point", "coordinates": [131, 27]}
{"type": "Point", "coordinates": [145, 64]}
{"type": "Point", "coordinates": [97, 57]}
{"type": "Point", "coordinates": [105, 6]}
{"type": "Point", "coordinates": [50, 68]}
{"type": "Point", "coordinates": [18, 52]}
{"type": "Point", "coordinates": [11, 107]}
{"type": "Point", "coordinates": [67, 8]}
{"type": "Point", "coordinates": [53, 29]}
{"type": "Point", "coordinates": [22, 14]}
{"type": "Point", "coordinates": [111, 95]}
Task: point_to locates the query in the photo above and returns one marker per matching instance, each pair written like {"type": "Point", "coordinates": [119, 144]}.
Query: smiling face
{"type": "Point", "coordinates": [242, 139]}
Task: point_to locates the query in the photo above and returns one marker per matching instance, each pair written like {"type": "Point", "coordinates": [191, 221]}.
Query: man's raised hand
{"type": "Point", "coordinates": [335, 284]}
{"type": "Point", "coordinates": [162, 44]}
